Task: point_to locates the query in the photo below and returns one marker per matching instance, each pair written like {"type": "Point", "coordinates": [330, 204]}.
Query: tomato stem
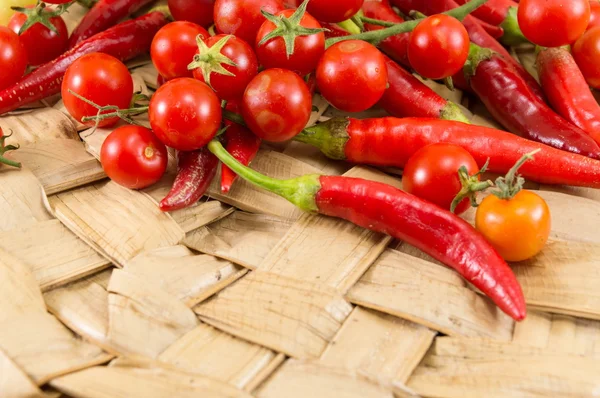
{"type": "Point", "coordinates": [377, 22]}
{"type": "Point", "coordinates": [39, 14]}
{"type": "Point", "coordinates": [123, 114]}
{"type": "Point", "coordinates": [376, 36]}
{"type": "Point", "coordinates": [510, 185]}
{"type": "Point", "coordinates": [470, 186]}
{"type": "Point", "coordinates": [210, 60]}
{"type": "Point", "coordinates": [6, 148]}
{"type": "Point", "coordinates": [233, 117]}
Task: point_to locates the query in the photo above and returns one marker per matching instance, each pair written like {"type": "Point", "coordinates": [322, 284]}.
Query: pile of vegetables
{"type": "Point", "coordinates": [221, 95]}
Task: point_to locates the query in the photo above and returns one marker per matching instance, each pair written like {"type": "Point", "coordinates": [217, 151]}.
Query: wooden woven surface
{"type": "Point", "coordinates": [104, 296]}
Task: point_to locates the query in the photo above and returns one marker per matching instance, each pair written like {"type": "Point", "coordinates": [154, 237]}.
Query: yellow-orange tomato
{"type": "Point", "coordinates": [518, 228]}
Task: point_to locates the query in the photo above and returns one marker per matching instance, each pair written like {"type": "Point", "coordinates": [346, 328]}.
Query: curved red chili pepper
{"type": "Point", "coordinates": [243, 145]}
{"type": "Point", "coordinates": [124, 41]}
{"type": "Point", "coordinates": [195, 172]}
{"type": "Point", "coordinates": [567, 91]}
{"type": "Point", "coordinates": [512, 102]}
{"type": "Point", "coordinates": [493, 11]}
{"type": "Point", "coordinates": [382, 208]}
{"type": "Point", "coordinates": [391, 142]}
{"type": "Point", "coordinates": [103, 15]}
{"type": "Point", "coordinates": [493, 30]}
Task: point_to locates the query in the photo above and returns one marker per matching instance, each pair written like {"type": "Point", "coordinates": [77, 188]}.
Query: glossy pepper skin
{"type": "Point", "coordinates": [124, 41]}
{"type": "Point", "coordinates": [477, 34]}
{"type": "Point", "coordinates": [243, 145]}
{"type": "Point", "coordinates": [512, 102]}
{"type": "Point", "coordinates": [103, 15]}
{"type": "Point", "coordinates": [567, 91]}
{"type": "Point", "coordinates": [437, 232]}
{"type": "Point", "coordinates": [195, 172]}
{"type": "Point", "coordinates": [386, 209]}
{"type": "Point", "coordinates": [408, 96]}
{"type": "Point", "coordinates": [391, 142]}
{"type": "Point", "coordinates": [396, 47]}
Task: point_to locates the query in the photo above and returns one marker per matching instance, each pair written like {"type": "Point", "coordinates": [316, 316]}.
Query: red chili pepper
{"type": "Point", "coordinates": [495, 31]}
{"type": "Point", "coordinates": [390, 142]}
{"type": "Point", "coordinates": [512, 102]}
{"type": "Point", "coordinates": [103, 15]}
{"type": "Point", "coordinates": [408, 96]}
{"type": "Point", "coordinates": [124, 41]}
{"type": "Point", "coordinates": [195, 172]}
{"type": "Point", "coordinates": [5, 148]}
{"type": "Point", "coordinates": [567, 91]}
{"type": "Point", "coordinates": [502, 13]}
{"type": "Point", "coordinates": [386, 209]}
{"type": "Point", "coordinates": [477, 34]}
{"type": "Point", "coordinates": [243, 145]}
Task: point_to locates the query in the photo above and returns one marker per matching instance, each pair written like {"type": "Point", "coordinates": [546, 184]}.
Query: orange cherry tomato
{"type": "Point", "coordinates": [518, 228]}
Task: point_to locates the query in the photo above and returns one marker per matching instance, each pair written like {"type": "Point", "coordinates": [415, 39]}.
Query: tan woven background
{"type": "Point", "coordinates": [243, 295]}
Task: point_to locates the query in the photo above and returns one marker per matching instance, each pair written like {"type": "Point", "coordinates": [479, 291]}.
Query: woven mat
{"type": "Point", "coordinates": [243, 295]}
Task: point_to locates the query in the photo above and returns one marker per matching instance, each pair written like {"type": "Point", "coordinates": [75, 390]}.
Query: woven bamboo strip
{"type": "Point", "coordinates": [38, 125]}
{"type": "Point", "coordinates": [15, 383]}
{"type": "Point", "coordinates": [429, 294]}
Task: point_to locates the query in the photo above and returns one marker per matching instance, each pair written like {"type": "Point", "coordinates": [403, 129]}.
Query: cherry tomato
{"type": "Point", "coordinates": [307, 49]}
{"type": "Point", "coordinates": [333, 10]}
{"type": "Point", "coordinates": [13, 57]}
{"type": "Point", "coordinates": [100, 78]}
{"type": "Point", "coordinates": [197, 11]}
{"type": "Point", "coordinates": [352, 75]}
{"type": "Point", "coordinates": [173, 48]}
{"type": "Point", "coordinates": [594, 14]}
{"type": "Point", "coordinates": [432, 174]}
{"type": "Point", "coordinates": [276, 105]}
{"type": "Point", "coordinates": [243, 17]}
{"type": "Point", "coordinates": [133, 157]}
{"type": "Point", "coordinates": [42, 44]}
{"type": "Point", "coordinates": [586, 52]}
{"type": "Point", "coordinates": [185, 114]}
{"type": "Point", "coordinates": [246, 67]}
{"type": "Point", "coordinates": [553, 23]}
{"type": "Point", "coordinates": [438, 47]}
{"type": "Point", "coordinates": [518, 228]}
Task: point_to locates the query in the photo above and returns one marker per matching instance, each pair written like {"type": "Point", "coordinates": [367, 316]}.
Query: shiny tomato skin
{"type": "Point", "coordinates": [173, 48]}
{"type": "Point", "coordinates": [276, 105]}
{"type": "Point", "coordinates": [352, 75]}
{"type": "Point", "coordinates": [432, 174]}
{"type": "Point", "coordinates": [185, 114]}
{"type": "Point", "coordinates": [243, 18]}
{"type": "Point", "coordinates": [518, 228]}
{"type": "Point", "coordinates": [240, 52]}
{"type": "Point", "coordinates": [197, 11]}
{"type": "Point", "coordinates": [333, 10]}
{"type": "Point", "coordinates": [307, 49]}
{"type": "Point", "coordinates": [586, 52]}
{"type": "Point", "coordinates": [133, 157]}
{"type": "Point", "coordinates": [102, 79]}
{"type": "Point", "coordinates": [13, 57]}
{"type": "Point", "coordinates": [553, 23]}
{"type": "Point", "coordinates": [594, 14]}
{"type": "Point", "coordinates": [42, 44]}
{"type": "Point", "coordinates": [438, 47]}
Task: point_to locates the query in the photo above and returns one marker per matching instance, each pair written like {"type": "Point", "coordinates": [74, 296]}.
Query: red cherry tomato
{"type": "Point", "coordinates": [173, 48]}
{"type": "Point", "coordinates": [185, 114]}
{"type": "Point", "coordinates": [276, 105]}
{"type": "Point", "coordinates": [42, 44]}
{"type": "Point", "coordinates": [594, 14]}
{"type": "Point", "coordinates": [432, 174]}
{"type": "Point", "coordinates": [307, 49]}
{"type": "Point", "coordinates": [13, 57]}
{"type": "Point", "coordinates": [100, 78]}
{"type": "Point", "coordinates": [586, 52]}
{"type": "Point", "coordinates": [243, 17]}
{"type": "Point", "coordinates": [352, 75]}
{"type": "Point", "coordinates": [240, 52]}
{"type": "Point", "coordinates": [553, 23]}
{"type": "Point", "coordinates": [438, 47]}
{"type": "Point", "coordinates": [197, 11]}
{"type": "Point", "coordinates": [133, 157]}
{"type": "Point", "coordinates": [334, 10]}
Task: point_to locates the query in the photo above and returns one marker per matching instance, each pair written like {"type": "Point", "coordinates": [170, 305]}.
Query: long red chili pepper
{"type": "Point", "coordinates": [477, 34]}
{"type": "Point", "coordinates": [408, 96]}
{"type": "Point", "coordinates": [512, 102]}
{"type": "Point", "coordinates": [124, 41]}
{"type": "Point", "coordinates": [103, 15]}
{"type": "Point", "coordinates": [567, 91]}
{"type": "Point", "coordinates": [391, 142]}
{"type": "Point", "coordinates": [501, 13]}
{"type": "Point", "coordinates": [386, 209]}
{"type": "Point", "coordinates": [195, 172]}
{"type": "Point", "coordinates": [243, 145]}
